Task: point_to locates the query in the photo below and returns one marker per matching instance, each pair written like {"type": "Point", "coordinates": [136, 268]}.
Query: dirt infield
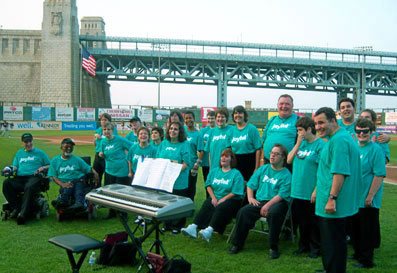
{"type": "Point", "coordinates": [79, 140]}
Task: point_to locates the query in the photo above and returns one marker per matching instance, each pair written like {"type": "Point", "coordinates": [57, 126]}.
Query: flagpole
{"type": "Point", "coordinates": [81, 71]}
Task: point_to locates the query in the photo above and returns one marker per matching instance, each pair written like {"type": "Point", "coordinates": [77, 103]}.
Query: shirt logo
{"type": "Point", "coordinates": [221, 181]}
{"type": "Point", "coordinates": [170, 149]}
{"type": "Point", "coordinates": [109, 147]}
{"type": "Point", "coordinates": [270, 180]}
{"type": "Point", "coordinates": [29, 158]}
{"type": "Point", "coordinates": [66, 169]}
{"type": "Point", "coordinates": [215, 138]}
{"type": "Point", "coordinates": [304, 153]}
{"type": "Point", "coordinates": [281, 126]}
{"type": "Point", "coordinates": [238, 139]}
{"type": "Point", "coordinates": [189, 139]}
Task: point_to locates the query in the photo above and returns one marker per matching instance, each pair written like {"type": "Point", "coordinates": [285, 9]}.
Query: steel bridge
{"type": "Point", "coordinates": [343, 71]}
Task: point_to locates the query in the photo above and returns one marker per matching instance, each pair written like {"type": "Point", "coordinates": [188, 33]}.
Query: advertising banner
{"type": "Point", "coordinates": [162, 115]}
{"type": "Point", "coordinates": [387, 129]}
{"type": "Point", "coordinates": [37, 125]}
{"type": "Point", "coordinates": [391, 118]}
{"type": "Point", "coordinates": [86, 114]}
{"type": "Point", "coordinates": [78, 126]}
{"type": "Point", "coordinates": [63, 114]}
{"type": "Point", "coordinates": [118, 114]}
{"type": "Point", "coordinates": [204, 112]}
{"type": "Point", "coordinates": [41, 113]}
{"type": "Point", "coordinates": [145, 115]}
{"type": "Point", "coordinates": [12, 112]}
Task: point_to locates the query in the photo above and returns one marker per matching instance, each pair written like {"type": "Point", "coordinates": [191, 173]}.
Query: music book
{"type": "Point", "coordinates": [156, 173]}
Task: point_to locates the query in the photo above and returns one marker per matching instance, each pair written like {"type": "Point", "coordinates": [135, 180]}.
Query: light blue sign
{"type": "Point", "coordinates": [78, 126]}
{"type": "Point", "coordinates": [41, 113]}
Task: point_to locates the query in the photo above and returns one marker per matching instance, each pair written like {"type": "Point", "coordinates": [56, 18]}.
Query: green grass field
{"type": "Point", "coordinates": [25, 248]}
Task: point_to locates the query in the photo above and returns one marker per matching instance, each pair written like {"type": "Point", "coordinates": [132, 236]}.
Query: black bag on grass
{"type": "Point", "coordinates": [117, 250]}
{"type": "Point", "coordinates": [177, 265]}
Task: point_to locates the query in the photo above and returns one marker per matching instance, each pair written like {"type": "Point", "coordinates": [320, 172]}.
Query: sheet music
{"type": "Point", "coordinates": [157, 173]}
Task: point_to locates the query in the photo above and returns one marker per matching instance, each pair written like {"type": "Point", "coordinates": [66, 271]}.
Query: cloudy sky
{"type": "Point", "coordinates": [320, 23]}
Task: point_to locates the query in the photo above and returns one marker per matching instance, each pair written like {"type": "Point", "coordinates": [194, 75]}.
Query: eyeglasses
{"type": "Point", "coordinates": [364, 131]}
{"type": "Point", "coordinates": [276, 154]}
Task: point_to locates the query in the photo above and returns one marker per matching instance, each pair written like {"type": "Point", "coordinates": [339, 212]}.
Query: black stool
{"type": "Point", "coordinates": [76, 243]}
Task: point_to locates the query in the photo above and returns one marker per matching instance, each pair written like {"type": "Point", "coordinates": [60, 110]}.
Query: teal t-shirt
{"type": "Point", "coordinates": [304, 169]}
{"type": "Point", "coordinates": [196, 144]}
{"type": "Point", "coordinates": [350, 128]}
{"type": "Point", "coordinates": [268, 183]}
{"type": "Point", "coordinates": [136, 152]}
{"type": "Point", "coordinates": [115, 155]}
{"type": "Point", "coordinates": [205, 133]}
{"type": "Point", "coordinates": [279, 130]}
{"type": "Point", "coordinates": [372, 164]}
{"type": "Point", "coordinates": [384, 146]}
{"type": "Point", "coordinates": [28, 162]}
{"type": "Point", "coordinates": [246, 140]}
{"type": "Point", "coordinates": [223, 183]}
{"type": "Point", "coordinates": [98, 141]}
{"type": "Point", "coordinates": [218, 141]}
{"type": "Point", "coordinates": [339, 156]}
{"type": "Point", "coordinates": [68, 169]}
{"type": "Point", "coordinates": [177, 151]}
{"type": "Point", "coordinates": [132, 137]}
{"type": "Point", "coordinates": [156, 147]}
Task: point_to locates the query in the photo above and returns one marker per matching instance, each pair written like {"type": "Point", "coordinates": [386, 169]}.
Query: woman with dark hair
{"type": "Point", "coordinates": [366, 229]}
{"type": "Point", "coordinates": [113, 150]}
{"type": "Point", "coordinates": [219, 138]}
{"type": "Point", "coordinates": [157, 136]}
{"type": "Point", "coordinates": [371, 115]}
{"type": "Point", "coordinates": [176, 148]}
{"type": "Point", "coordinates": [245, 143]}
{"type": "Point", "coordinates": [305, 158]}
{"type": "Point", "coordinates": [272, 184]}
{"type": "Point", "coordinates": [225, 186]}
{"type": "Point", "coordinates": [140, 150]}
{"type": "Point", "coordinates": [175, 116]}
{"type": "Point", "coordinates": [99, 162]}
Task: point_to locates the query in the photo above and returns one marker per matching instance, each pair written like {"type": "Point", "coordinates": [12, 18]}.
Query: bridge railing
{"type": "Point", "coordinates": [158, 46]}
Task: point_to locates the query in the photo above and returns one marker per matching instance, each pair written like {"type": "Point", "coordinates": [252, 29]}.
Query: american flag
{"type": "Point", "coordinates": [89, 62]}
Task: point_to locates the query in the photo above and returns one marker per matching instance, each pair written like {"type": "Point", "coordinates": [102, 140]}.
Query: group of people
{"type": "Point", "coordinates": [328, 172]}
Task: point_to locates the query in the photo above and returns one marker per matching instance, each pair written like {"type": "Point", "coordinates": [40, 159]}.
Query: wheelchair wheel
{"type": "Point", "coordinates": [4, 215]}
{"type": "Point", "coordinates": [59, 216]}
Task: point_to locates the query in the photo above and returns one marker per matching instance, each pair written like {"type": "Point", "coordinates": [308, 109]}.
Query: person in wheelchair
{"type": "Point", "coordinates": [29, 164]}
{"type": "Point", "coordinates": [69, 172]}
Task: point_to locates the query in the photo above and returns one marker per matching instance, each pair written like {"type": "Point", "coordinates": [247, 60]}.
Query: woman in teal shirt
{"type": "Point", "coordinates": [113, 150]}
{"type": "Point", "coordinates": [157, 136]}
{"type": "Point", "coordinates": [176, 148]}
{"type": "Point", "coordinates": [366, 229]}
{"type": "Point", "coordinates": [225, 186]}
{"type": "Point", "coordinates": [305, 158]}
{"type": "Point", "coordinates": [245, 143]}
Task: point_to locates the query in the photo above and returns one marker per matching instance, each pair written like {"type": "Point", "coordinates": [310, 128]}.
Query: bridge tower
{"type": "Point", "coordinates": [60, 61]}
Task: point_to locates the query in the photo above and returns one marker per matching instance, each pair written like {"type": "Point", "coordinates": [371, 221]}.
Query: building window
{"type": "Point", "coordinates": [4, 45]}
{"type": "Point", "coordinates": [36, 46]}
{"type": "Point", "coordinates": [15, 45]}
{"type": "Point", "coordinates": [26, 45]}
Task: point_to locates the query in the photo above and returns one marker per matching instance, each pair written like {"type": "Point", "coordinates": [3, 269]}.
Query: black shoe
{"type": "Point", "coordinates": [164, 229]}
{"type": "Point", "coordinates": [110, 215]}
{"type": "Point", "coordinates": [14, 214]}
{"type": "Point", "coordinates": [76, 205]}
{"type": "Point", "coordinates": [21, 219]}
{"type": "Point", "coordinates": [274, 254]}
{"type": "Point", "coordinates": [59, 204]}
{"type": "Point", "coordinates": [313, 255]}
{"type": "Point", "coordinates": [234, 250]}
{"type": "Point", "coordinates": [360, 265]}
{"type": "Point", "coordinates": [300, 251]}
{"type": "Point", "coordinates": [320, 271]}
{"type": "Point", "coordinates": [352, 257]}
{"type": "Point", "coordinates": [175, 231]}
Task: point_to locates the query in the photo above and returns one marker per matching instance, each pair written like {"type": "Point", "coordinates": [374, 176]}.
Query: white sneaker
{"type": "Point", "coordinates": [190, 231]}
{"type": "Point", "coordinates": [205, 234]}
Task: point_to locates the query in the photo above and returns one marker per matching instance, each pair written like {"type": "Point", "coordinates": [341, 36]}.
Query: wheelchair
{"type": "Point", "coordinates": [87, 212]}
{"type": "Point", "coordinates": [40, 207]}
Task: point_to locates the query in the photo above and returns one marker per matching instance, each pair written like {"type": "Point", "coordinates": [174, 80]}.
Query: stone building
{"type": "Point", "coordinates": [43, 67]}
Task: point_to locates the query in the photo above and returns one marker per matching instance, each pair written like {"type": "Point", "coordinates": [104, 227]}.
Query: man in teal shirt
{"type": "Point", "coordinates": [280, 129]}
{"type": "Point", "coordinates": [338, 188]}
{"type": "Point", "coordinates": [28, 162]}
{"type": "Point", "coordinates": [68, 171]}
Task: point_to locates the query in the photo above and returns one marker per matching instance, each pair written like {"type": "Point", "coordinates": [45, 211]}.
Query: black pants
{"type": "Point", "coordinates": [366, 232]}
{"type": "Point", "coordinates": [333, 244]}
{"type": "Point", "coordinates": [206, 171]}
{"type": "Point", "coordinates": [307, 222]}
{"type": "Point", "coordinates": [178, 223]}
{"type": "Point", "coordinates": [99, 167]}
{"type": "Point", "coordinates": [246, 164]}
{"type": "Point", "coordinates": [29, 185]}
{"type": "Point", "coordinates": [217, 217]}
{"type": "Point", "coordinates": [192, 185]}
{"type": "Point", "coordinates": [249, 214]}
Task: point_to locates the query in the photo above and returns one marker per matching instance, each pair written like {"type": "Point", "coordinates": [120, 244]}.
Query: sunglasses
{"type": "Point", "coordinates": [364, 131]}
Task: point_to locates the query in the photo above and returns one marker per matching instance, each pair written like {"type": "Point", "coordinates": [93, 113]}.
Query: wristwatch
{"type": "Point", "coordinates": [333, 197]}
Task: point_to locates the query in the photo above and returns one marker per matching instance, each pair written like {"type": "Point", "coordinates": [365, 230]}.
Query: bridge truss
{"type": "Point", "coordinates": [245, 64]}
